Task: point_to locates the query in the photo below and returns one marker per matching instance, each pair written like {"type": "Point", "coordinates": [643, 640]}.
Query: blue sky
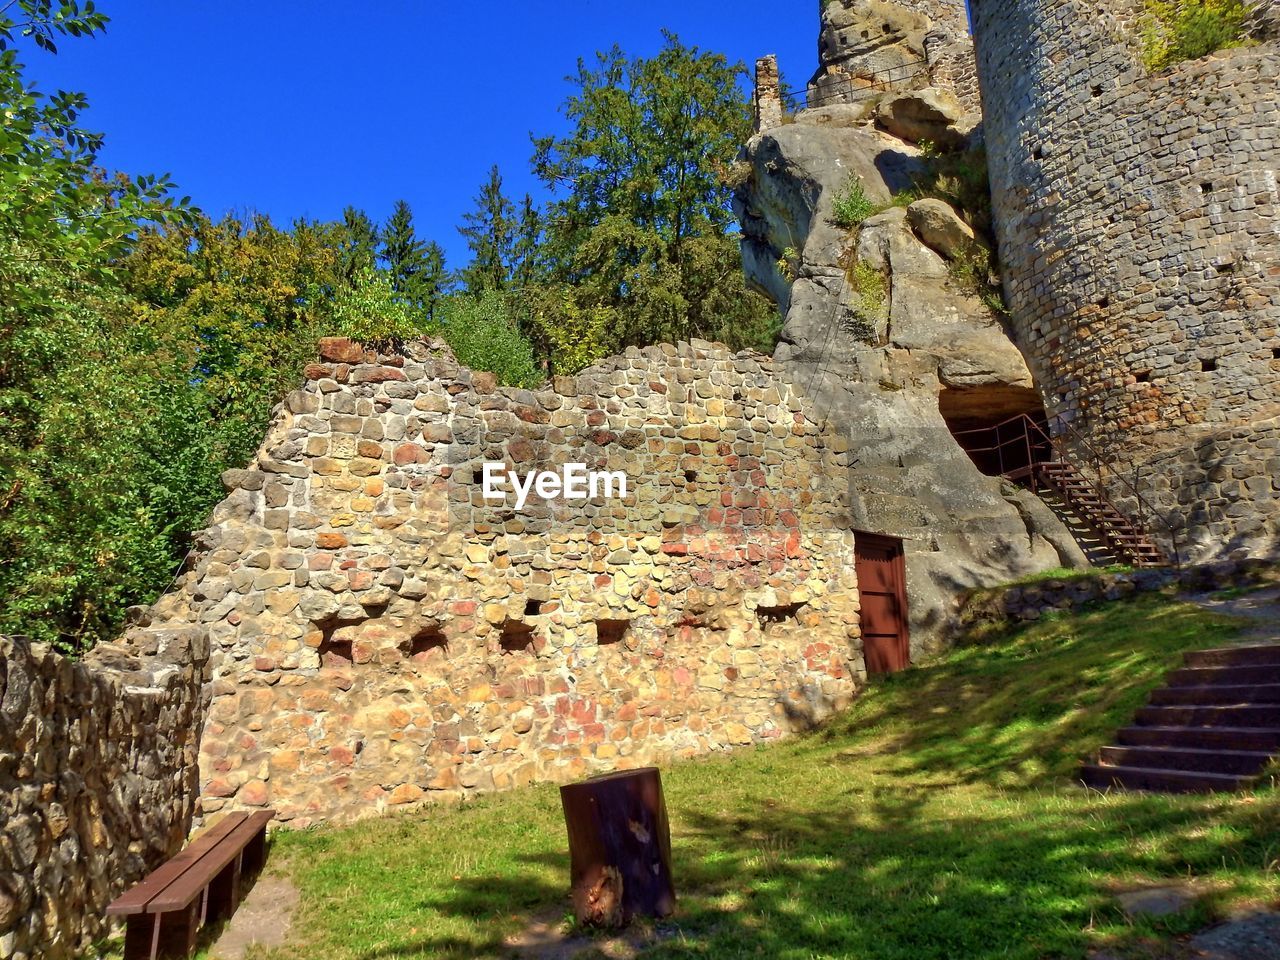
{"type": "Point", "coordinates": [300, 107]}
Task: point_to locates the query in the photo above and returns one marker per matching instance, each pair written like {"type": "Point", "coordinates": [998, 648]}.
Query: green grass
{"type": "Point", "coordinates": [935, 819]}
{"type": "Point", "coordinates": [1068, 573]}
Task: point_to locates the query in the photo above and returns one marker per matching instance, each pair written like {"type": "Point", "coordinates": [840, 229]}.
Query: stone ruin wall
{"type": "Point", "coordinates": [383, 635]}
{"type": "Point", "coordinates": [1137, 219]}
{"type": "Point", "coordinates": [98, 780]}
{"type": "Point", "coordinates": [865, 46]}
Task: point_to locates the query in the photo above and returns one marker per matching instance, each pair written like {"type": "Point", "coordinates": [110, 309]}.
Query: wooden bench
{"type": "Point", "coordinates": [201, 884]}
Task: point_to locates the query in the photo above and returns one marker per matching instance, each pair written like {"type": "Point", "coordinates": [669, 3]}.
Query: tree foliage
{"type": "Point", "coordinates": [143, 344]}
{"type": "Point", "coordinates": [485, 336]}
{"type": "Point", "coordinates": [490, 231]}
{"type": "Point", "coordinates": [640, 224]}
{"type": "Point", "coordinates": [415, 267]}
{"type": "Point", "coordinates": [1177, 30]}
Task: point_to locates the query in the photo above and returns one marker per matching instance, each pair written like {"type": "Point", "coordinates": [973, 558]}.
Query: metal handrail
{"type": "Point", "coordinates": [865, 86]}
{"type": "Point", "coordinates": [1055, 434]}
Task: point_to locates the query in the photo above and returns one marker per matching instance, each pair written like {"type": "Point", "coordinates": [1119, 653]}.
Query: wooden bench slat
{"type": "Point", "coordinates": [188, 885]}
{"type": "Point", "coordinates": [136, 899]}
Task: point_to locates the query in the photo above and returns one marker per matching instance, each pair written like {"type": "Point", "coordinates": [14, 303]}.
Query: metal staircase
{"type": "Point", "coordinates": [1126, 540]}
{"type": "Point", "coordinates": [1024, 450]}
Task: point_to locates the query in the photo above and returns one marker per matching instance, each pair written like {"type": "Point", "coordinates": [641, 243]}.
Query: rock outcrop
{"type": "Point", "coordinates": [880, 336]}
{"type": "Point", "coordinates": [924, 116]}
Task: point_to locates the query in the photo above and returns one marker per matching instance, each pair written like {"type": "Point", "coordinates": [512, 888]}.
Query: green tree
{"type": "Point", "coordinates": [435, 281]}
{"type": "Point", "coordinates": [416, 267]}
{"type": "Point", "coordinates": [527, 263]}
{"type": "Point", "coordinates": [357, 244]}
{"type": "Point", "coordinates": [101, 428]}
{"type": "Point", "coordinates": [642, 222]}
{"type": "Point", "coordinates": [484, 335]}
{"type": "Point", "coordinates": [252, 299]}
{"type": "Point", "coordinates": [490, 230]}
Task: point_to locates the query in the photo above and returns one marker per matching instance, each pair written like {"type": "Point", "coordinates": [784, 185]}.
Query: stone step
{"type": "Point", "coordinates": [1256, 655]}
{"type": "Point", "coordinates": [1102, 777]}
{"type": "Point", "coordinates": [1202, 676]}
{"type": "Point", "coordinates": [1213, 694]}
{"type": "Point", "coordinates": [1241, 762]}
{"type": "Point", "coordinates": [1202, 738]}
{"type": "Point", "coordinates": [1213, 716]}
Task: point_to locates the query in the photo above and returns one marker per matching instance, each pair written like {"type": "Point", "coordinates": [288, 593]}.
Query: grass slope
{"type": "Point", "coordinates": [936, 819]}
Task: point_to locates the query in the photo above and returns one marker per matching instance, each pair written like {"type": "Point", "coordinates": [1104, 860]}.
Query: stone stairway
{"type": "Point", "coordinates": [1121, 536]}
{"type": "Point", "coordinates": [1214, 726]}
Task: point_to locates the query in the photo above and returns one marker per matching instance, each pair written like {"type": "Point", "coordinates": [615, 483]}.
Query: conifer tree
{"type": "Point", "coordinates": [490, 231]}
{"type": "Point", "coordinates": [357, 244]}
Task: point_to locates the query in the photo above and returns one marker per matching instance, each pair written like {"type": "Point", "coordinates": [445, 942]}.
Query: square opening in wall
{"type": "Point", "coordinates": [335, 652]}
{"type": "Point", "coordinates": [611, 631]}
{"type": "Point", "coordinates": [424, 642]}
{"type": "Point", "coordinates": [516, 636]}
{"type": "Point", "coordinates": [690, 476]}
{"type": "Point", "coordinates": [1206, 188]}
{"type": "Point", "coordinates": [1208, 364]}
{"type": "Point", "coordinates": [477, 477]}
{"type": "Point", "coordinates": [532, 608]}
{"type": "Point", "coordinates": [771, 616]}
{"type": "Point", "coordinates": [1275, 353]}
{"type": "Point", "coordinates": [1143, 376]}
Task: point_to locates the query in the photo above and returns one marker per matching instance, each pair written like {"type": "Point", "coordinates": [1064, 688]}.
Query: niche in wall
{"type": "Point", "coordinates": [772, 616]}
{"type": "Point", "coordinates": [611, 631]}
{"type": "Point", "coordinates": [516, 636]}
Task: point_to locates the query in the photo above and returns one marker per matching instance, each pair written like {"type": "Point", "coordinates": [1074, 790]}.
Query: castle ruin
{"type": "Point", "coordinates": [360, 629]}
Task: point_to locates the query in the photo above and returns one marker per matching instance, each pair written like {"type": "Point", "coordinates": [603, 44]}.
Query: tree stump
{"type": "Point", "coordinates": [619, 847]}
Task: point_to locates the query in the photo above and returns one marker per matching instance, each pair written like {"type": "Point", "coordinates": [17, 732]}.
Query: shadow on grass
{"type": "Point", "coordinates": [890, 880]}
{"type": "Point", "coordinates": [936, 819]}
{"type": "Point", "coordinates": [1028, 708]}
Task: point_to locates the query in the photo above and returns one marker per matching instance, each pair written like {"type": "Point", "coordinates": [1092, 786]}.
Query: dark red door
{"type": "Point", "coordinates": [882, 586]}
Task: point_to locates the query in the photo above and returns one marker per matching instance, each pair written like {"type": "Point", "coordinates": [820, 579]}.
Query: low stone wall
{"type": "Point", "coordinates": [1031, 601]}
{"type": "Point", "coordinates": [383, 634]}
{"type": "Point", "coordinates": [98, 780]}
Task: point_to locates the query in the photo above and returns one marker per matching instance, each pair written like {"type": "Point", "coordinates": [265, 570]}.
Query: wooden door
{"type": "Point", "coordinates": [882, 586]}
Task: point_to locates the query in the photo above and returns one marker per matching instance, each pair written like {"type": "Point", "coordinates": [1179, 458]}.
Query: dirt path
{"type": "Point", "coordinates": [1261, 608]}
{"type": "Point", "coordinates": [263, 920]}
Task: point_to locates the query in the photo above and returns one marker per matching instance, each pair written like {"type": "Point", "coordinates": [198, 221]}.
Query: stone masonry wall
{"type": "Point", "coordinates": [98, 780]}
{"type": "Point", "coordinates": [1218, 495]}
{"type": "Point", "coordinates": [384, 635]}
{"type": "Point", "coordinates": [870, 45]}
{"type": "Point", "coordinates": [1136, 216]}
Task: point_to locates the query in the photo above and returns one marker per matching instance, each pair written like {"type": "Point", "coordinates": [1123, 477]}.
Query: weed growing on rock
{"type": "Point", "coordinates": [1177, 30]}
{"type": "Point", "coordinates": [852, 205]}
{"type": "Point", "coordinates": [871, 292]}
{"type": "Point", "coordinates": [972, 269]}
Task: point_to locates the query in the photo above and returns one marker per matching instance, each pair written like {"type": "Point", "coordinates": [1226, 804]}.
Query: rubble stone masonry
{"type": "Point", "coordinates": [382, 634]}
{"type": "Point", "coordinates": [98, 780]}
{"type": "Point", "coordinates": [1137, 220]}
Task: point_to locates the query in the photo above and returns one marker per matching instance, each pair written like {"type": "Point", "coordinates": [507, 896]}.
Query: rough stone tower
{"type": "Point", "coordinates": [1136, 215]}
